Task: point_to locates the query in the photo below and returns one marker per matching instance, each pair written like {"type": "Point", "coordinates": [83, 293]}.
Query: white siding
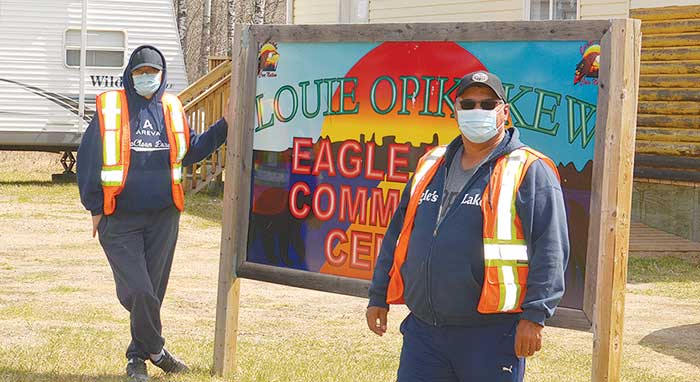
{"type": "Point", "coordinates": [381, 11]}
{"type": "Point", "coordinates": [603, 9]}
{"type": "Point", "coordinates": [661, 3]}
{"type": "Point", "coordinates": [32, 54]}
{"type": "Point", "coordinates": [316, 11]}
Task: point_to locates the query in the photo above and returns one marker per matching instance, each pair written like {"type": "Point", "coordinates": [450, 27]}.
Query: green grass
{"type": "Point", "coordinates": [59, 327]}
{"type": "Point", "coordinates": [65, 289]}
{"type": "Point", "coordinates": [41, 192]}
{"type": "Point", "coordinates": [666, 276]}
{"type": "Point", "coordinates": [69, 316]}
{"type": "Point", "coordinates": [205, 209]}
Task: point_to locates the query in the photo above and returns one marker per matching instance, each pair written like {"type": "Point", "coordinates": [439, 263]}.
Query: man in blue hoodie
{"type": "Point", "coordinates": [477, 249]}
{"type": "Point", "coordinates": [129, 174]}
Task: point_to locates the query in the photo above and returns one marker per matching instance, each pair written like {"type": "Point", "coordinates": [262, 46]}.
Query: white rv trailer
{"type": "Point", "coordinates": [40, 57]}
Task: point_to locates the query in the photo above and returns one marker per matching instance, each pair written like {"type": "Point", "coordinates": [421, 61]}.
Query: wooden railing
{"type": "Point", "coordinates": [215, 61]}
{"type": "Point", "coordinates": [204, 103]}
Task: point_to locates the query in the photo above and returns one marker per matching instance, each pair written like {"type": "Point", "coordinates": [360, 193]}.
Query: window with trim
{"type": "Point", "coordinates": [105, 49]}
{"type": "Point", "coordinates": [553, 9]}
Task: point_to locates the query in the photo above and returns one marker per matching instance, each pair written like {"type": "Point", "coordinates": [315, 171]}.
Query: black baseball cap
{"type": "Point", "coordinates": [483, 78]}
{"type": "Point", "coordinates": [146, 56]}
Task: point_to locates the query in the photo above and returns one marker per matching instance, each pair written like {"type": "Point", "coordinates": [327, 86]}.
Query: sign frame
{"type": "Point", "coordinates": [611, 190]}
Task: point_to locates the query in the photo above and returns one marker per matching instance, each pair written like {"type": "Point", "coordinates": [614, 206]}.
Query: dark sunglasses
{"type": "Point", "coordinates": [488, 104]}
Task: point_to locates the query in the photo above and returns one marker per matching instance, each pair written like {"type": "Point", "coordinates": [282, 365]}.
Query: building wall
{"type": "Point", "coordinates": [387, 11]}
{"type": "Point", "coordinates": [670, 207]}
{"type": "Point", "coordinates": [603, 9]}
{"type": "Point", "coordinates": [315, 11]}
{"type": "Point", "coordinates": [660, 3]}
{"type": "Point", "coordinates": [668, 118]}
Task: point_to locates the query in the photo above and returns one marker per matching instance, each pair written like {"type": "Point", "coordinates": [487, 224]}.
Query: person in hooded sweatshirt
{"type": "Point", "coordinates": [477, 249]}
{"type": "Point", "coordinates": [129, 169]}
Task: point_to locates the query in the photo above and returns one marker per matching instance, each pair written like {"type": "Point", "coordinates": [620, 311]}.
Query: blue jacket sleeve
{"type": "Point", "coordinates": [203, 145]}
{"type": "Point", "coordinates": [385, 260]}
{"type": "Point", "coordinates": [89, 166]}
{"type": "Point", "coordinates": [540, 205]}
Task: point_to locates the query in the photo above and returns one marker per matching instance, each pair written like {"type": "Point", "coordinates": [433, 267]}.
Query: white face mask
{"type": "Point", "coordinates": [478, 125]}
{"type": "Point", "coordinates": [147, 84]}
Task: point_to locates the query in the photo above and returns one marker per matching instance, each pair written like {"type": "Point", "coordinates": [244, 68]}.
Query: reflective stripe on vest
{"type": "Point", "coordinates": [116, 144]}
{"type": "Point", "coordinates": [425, 164]}
{"type": "Point", "coordinates": [178, 133]}
{"type": "Point", "coordinates": [110, 112]}
{"type": "Point", "coordinates": [505, 250]}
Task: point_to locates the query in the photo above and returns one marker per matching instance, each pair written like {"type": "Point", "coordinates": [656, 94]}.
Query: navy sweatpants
{"type": "Point", "coordinates": [140, 249]}
{"type": "Point", "coordinates": [459, 354]}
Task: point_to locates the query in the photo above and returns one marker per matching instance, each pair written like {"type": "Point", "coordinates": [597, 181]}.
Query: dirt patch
{"type": "Point", "coordinates": [57, 302]}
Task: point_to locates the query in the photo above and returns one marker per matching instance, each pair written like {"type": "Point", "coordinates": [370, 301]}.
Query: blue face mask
{"type": "Point", "coordinates": [478, 125]}
{"type": "Point", "coordinates": [147, 84]}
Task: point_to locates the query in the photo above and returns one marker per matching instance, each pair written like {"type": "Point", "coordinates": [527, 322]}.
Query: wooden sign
{"type": "Point", "coordinates": [328, 123]}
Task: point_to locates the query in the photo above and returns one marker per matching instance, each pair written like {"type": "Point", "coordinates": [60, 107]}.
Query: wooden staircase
{"type": "Point", "coordinates": [204, 102]}
{"type": "Point", "coordinates": [668, 132]}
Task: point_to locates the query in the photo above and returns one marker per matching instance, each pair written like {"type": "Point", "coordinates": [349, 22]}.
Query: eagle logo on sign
{"type": "Point", "coordinates": [267, 60]}
{"type": "Point", "coordinates": [589, 66]}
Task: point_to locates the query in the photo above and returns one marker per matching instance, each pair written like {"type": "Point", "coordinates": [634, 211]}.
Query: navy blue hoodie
{"type": "Point", "coordinates": [148, 183]}
{"type": "Point", "coordinates": [444, 269]}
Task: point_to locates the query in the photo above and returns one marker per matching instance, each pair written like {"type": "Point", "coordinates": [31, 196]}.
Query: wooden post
{"type": "Point", "coordinates": [227, 305]}
{"type": "Point", "coordinates": [617, 112]}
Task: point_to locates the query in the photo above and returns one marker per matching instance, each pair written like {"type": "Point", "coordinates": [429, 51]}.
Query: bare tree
{"type": "Point", "coordinates": [181, 9]}
{"type": "Point", "coordinates": [259, 12]}
{"type": "Point", "coordinates": [276, 11]}
{"type": "Point", "coordinates": [205, 43]}
{"type": "Point", "coordinates": [231, 21]}
{"type": "Point", "coordinates": [206, 26]}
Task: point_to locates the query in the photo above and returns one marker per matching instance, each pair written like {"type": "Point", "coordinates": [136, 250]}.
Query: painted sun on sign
{"type": "Point", "coordinates": [587, 69]}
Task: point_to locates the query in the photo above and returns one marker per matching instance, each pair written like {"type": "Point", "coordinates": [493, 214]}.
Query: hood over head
{"type": "Point", "coordinates": [142, 56]}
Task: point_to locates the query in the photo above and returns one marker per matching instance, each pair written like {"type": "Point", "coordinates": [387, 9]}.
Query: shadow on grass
{"type": "Point", "coordinates": [681, 342]}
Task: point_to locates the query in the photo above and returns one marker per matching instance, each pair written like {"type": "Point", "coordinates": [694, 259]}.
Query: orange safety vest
{"type": "Point", "coordinates": [113, 111]}
{"type": "Point", "coordinates": [505, 249]}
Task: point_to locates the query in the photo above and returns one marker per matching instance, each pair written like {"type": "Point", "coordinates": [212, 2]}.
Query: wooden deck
{"type": "Point", "coordinates": [646, 239]}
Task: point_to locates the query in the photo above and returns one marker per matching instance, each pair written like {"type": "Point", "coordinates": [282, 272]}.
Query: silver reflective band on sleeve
{"type": "Point", "coordinates": [112, 176]}
{"type": "Point", "coordinates": [514, 161]}
{"type": "Point", "coordinates": [516, 252]}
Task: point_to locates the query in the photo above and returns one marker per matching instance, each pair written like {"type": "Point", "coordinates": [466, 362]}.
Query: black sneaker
{"type": "Point", "coordinates": [136, 370]}
{"type": "Point", "coordinates": [171, 365]}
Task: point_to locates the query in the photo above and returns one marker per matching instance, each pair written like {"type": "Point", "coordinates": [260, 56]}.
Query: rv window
{"type": "Point", "coordinates": [553, 9]}
{"type": "Point", "coordinates": [104, 48]}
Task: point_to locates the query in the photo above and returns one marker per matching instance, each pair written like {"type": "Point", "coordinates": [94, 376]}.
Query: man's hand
{"type": "Point", "coordinates": [376, 319]}
{"type": "Point", "coordinates": [95, 222]}
{"type": "Point", "coordinates": [528, 338]}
